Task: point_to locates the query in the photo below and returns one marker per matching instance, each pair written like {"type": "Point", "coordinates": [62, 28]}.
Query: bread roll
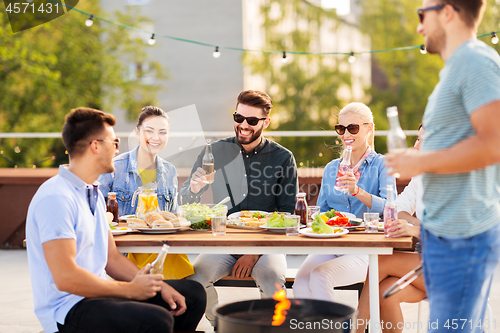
{"type": "Point", "coordinates": [137, 223]}
{"type": "Point", "coordinates": [151, 217]}
{"type": "Point", "coordinates": [162, 224]}
{"type": "Point", "coordinates": [180, 222]}
{"type": "Point", "coordinates": [109, 217]}
{"type": "Point", "coordinates": [167, 215]}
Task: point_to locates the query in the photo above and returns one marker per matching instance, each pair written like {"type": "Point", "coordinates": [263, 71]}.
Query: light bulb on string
{"type": "Point", "coordinates": [216, 53]}
{"type": "Point", "coordinates": [284, 59]}
{"type": "Point", "coordinates": [89, 21]}
{"type": "Point", "coordinates": [494, 38]}
{"type": "Point", "coordinates": [152, 40]}
{"type": "Point", "coordinates": [423, 49]}
{"type": "Point", "coordinates": [351, 58]}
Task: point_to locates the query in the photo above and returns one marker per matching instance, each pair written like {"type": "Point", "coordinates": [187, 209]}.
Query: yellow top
{"type": "Point", "coordinates": [147, 176]}
{"type": "Point", "coordinates": [176, 266]}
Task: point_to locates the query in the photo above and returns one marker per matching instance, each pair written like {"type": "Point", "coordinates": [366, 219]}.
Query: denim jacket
{"type": "Point", "coordinates": [374, 180]}
{"type": "Point", "coordinates": [125, 180]}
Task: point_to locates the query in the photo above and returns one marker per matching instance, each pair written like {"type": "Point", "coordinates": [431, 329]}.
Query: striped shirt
{"type": "Point", "coordinates": [465, 204]}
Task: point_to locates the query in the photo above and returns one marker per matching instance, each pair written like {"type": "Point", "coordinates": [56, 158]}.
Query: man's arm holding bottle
{"type": "Point", "coordinates": [194, 187]}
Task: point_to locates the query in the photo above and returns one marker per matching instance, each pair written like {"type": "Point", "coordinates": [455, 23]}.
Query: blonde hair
{"type": "Point", "coordinates": [366, 116]}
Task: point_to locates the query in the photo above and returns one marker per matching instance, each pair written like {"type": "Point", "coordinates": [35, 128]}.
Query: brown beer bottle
{"type": "Point", "coordinates": [112, 205]}
{"type": "Point", "coordinates": [301, 207]}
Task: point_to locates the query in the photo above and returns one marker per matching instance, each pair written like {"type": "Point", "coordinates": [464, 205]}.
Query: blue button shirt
{"type": "Point", "coordinates": [374, 180]}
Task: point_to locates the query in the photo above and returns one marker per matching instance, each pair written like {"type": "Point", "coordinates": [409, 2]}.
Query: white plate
{"type": "Point", "coordinates": [308, 232]}
{"type": "Point", "coordinates": [272, 229]}
{"type": "Point", "coordinates": [381, 226]}
{"type": "Point", "coordinates": [126, 217]}
{"type": "Point", "coordinates": [159, 230]}
{"type": "Point", "coordinates": [120, 231]}
{"type": "Point", "coordinates": [238, 214]}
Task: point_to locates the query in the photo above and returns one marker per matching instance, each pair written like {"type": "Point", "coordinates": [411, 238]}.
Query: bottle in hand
{"type": "Point", "coordinates": [396, 137]}
{"type": "Point", "coordinates": [390, 210]}
{"type": "Point", "coordinates": [208, 163]}
{"type": "Point", "coordinates": [344, 167]}
{"type": "Point", "coordinates": [157, 265]}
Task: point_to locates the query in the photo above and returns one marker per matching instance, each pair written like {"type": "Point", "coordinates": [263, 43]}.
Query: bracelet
{"type": "Point", "coordinates": [357, 192]}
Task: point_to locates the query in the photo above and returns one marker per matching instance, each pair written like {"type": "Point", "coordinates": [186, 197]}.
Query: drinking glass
{"type": "Point", "coordinates": [218, 225]}
{"type": "Point", "coordinates": [371, 222]}
{"type": "Point", "coordinates": [311, 210]}
{"type": "Point", "coordinates": [292, 225]}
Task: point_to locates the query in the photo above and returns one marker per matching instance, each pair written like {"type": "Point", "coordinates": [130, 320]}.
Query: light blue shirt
{"type": "Point", "coordinates": [466, 204]}
{"type": "Point", "coordinates": [374, 180]}
{"type": "Point", "coordinates": [60, 209]}
{"type": "Point", "coordinates": [125, 180]}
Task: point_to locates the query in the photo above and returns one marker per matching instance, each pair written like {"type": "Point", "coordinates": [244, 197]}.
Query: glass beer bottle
{"type": "Point", "coordinates": [208, 163]}
{"type": "Point", "coordinates": [301, 207]}
{"type": "Point", "coordinates": [396, 137]}
{"type": "Point", "coordinates": [390, 210]}
{"type": "Point", "coordinates": [344, 166]}
{"type": "Point", "coordinates": [157, 265]}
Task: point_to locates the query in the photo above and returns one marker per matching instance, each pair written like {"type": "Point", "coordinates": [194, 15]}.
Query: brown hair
{"type": "Point", "coordinates": [80, 125]}
{"type": "Point", "coordinates": [257, 99]}
{"type": "Point", "coordinates": [471, 11]}
{"type": "Point", "coordinates": [149, 111]}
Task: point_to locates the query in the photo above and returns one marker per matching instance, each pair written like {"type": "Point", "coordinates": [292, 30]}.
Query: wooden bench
{"type": "Point", "coordinates": [248, 282]}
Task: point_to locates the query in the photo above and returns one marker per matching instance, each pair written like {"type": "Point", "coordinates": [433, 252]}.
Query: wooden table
{"type": "Point", "coordinates": [265, 242]}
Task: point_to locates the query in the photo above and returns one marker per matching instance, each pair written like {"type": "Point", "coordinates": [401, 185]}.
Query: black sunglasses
{"type": "Point", "coordinates": [115, 142]}
{"type": "Point", "coordinates": [438, 7]}
{"type": "Point", "coordinates": [352, 128]}
{"type": "Point", "coordinates": [252, 121]}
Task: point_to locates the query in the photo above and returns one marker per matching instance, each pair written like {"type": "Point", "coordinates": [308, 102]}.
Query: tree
{"type": "Point", "coordinates": [304, 90]}
{"type": "Point", "coordinates": [407, 77]}
{"type": "Point", "coordinates": [48, 70]}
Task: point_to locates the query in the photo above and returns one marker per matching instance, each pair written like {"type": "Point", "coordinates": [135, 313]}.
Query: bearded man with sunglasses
{"type": "Point", "coordinates": [257, 174]}
{"type": "Point", "coordinates": [460, 163]}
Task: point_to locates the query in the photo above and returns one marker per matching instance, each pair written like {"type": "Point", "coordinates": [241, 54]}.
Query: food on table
{"type": "Point", "coordinates": [335, 218]}
{"type": "Point", "coordinates": [151, 217]}
{"type": "Point", "coordinates": [162, 224]}
{"type": "Point", "coordinates": [320, 227]}
{"type": "Point", "coordinates": [167, 215]}
{"type": "Point", "coordinates": [109, 217]}
{"type": "Point", "coordinates": [199, 214]}
{"type": "Point", "coordinates": [137, 223]}
{"type": "Point", "coordinates": [276, 220]}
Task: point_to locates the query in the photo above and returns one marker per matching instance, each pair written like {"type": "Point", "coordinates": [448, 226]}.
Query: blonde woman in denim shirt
{"type": "Point", "coordinates": [366, 192]}
{"type": "Point", "coordinates": [140, 166]}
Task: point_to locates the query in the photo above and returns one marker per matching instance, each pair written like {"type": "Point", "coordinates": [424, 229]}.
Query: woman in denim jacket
{"type": "Point", "coordinates": [141, 166]}
{"type": "Point", "coordinates": [366, 189]}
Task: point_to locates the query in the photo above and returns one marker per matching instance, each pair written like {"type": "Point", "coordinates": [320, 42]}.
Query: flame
{"type": "Point", "coordinates": [280, 310]}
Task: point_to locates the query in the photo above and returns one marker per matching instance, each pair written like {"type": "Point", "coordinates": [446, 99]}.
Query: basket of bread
{"type": "Point", "coordinates": [159, 220]}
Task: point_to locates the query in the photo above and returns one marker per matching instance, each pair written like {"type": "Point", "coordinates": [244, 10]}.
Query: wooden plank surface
{"type": "Point", "coordinates": [250, 238]}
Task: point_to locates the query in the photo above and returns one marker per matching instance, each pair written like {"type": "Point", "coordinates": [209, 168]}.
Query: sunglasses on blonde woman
{"type": "Point", "coordinates": [352, 128]}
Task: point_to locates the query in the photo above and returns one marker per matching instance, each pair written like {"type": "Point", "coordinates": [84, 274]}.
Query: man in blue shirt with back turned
{"type": "Point", "coordinates": [460, 163]}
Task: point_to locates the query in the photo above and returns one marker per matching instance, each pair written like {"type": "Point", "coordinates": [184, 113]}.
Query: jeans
{"type": "Point", "coordinates": [113, 315]}
{"type": "Point", "coordinates": [458, 274]}
{"type": "Point", "coordinates": [210, 268]}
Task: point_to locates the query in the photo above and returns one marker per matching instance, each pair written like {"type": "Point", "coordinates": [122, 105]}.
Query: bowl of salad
{"type": "Point", "coordinates": [199, 214]}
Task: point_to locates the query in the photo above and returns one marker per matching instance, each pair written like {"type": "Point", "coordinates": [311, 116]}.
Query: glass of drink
{"type": "Point", "coordinates": [312, 211]}
{"type": "Point", "coordinates": [218, 221]}
{"type": "Point", "coordinates": [371, 222]}
{"type": "Point", "coordinates": [292, 225]}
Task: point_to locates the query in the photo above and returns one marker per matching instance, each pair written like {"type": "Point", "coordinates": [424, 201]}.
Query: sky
{"type": "Point", "coordinates": [343, 6]}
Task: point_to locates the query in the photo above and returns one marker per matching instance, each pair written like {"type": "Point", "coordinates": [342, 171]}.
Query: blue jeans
{"type": "Point", "coordinates": [458, 274]}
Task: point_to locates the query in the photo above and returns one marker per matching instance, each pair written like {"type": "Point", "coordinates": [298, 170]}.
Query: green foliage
{"type": "Point", "coordinates": [50, 69]}
{"type": "Point", "coordinates": [304, 90]}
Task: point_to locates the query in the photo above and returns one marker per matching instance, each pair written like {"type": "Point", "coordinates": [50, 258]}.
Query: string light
{"type": "Point", "coordinates": [89, 21]}
{"type": "Point", "coordinates": [152, 40]}
{"type": "Point", "coordinates": [351, 58]}
{"type": "Point", "coordinates": [423, 49]}
{"type": "Point", "coordinates": [216, 53]}
{"type": "Point", "coordinates": [284, 59]}
{"type": "Point", "coordinates": [494, 38]}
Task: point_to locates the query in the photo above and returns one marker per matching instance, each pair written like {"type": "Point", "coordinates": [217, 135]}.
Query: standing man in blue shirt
{"type": "Point", "coordinates": [460, 163]}
{"type": "Point", "coordinates": [71, 249]}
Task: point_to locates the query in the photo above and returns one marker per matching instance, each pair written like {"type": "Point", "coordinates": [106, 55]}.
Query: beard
{"type": "Point", "coordinates": [436, 44]}
{"type": "Point", "coordinates": [247, 140]}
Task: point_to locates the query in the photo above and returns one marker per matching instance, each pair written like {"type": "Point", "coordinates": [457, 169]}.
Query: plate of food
{"type": "Point", "coordinates": [126, 217]}
{"type": "Point", "coordinates": [116, 231]}
{"type": "Point", "coordinates": [275, 222]}
{"type": "Point", "coordinates": [159, 222]}
{"type": "Point", "coordinates": [335, 218]}
{"type": "Point", "coordinates": [337, 232]}
{"type": "Point", "coordinates": [247, 219]}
